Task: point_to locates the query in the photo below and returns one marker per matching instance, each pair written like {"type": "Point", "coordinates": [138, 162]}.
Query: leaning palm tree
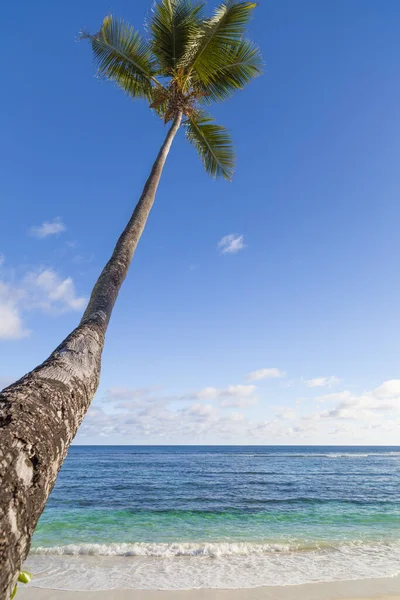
{"type": "Point", "coordinates": [187, 62]}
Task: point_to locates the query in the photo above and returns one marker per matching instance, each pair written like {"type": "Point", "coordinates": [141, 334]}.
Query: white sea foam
{"type": "Point", "coordinates": [310, 455]}
{"type": "Point", "coordinates": [208, 565]}
{"type": "Point", "coordinates": [165, 550]}
{"type": "Point", "coordinates": [340, 454]}
{"type": "Point", "coordinates": [351, 455]}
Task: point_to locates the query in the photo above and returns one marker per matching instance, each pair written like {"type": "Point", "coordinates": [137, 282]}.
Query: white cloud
{"type": "Point", "coordinates": [208, 393]}
{"type": "Point", "coordinates": [48, 228]}
{"type": "Point", "coordinates": [2, 259]}
{"type": "Point", "coordinates": [238, 402]}
{"type": "Point", "coordinates": [11, 326]}
{"type": "Point", "coordinates": [205, 411]}
{"type": "Point", "coordinates": [388, 389]}
{"type": "Point", "coordinates": [48, 291]}
{"type": "Point", "coordinates": [232, 243]}
{"type": "Point", "coordinates": [362, 407]}
{"type": "Point", "coordinates": [211, 393]}
{"type": "Point", "coordinates": [384, 398]}
{"type": "Point", "coordinates": [42, 290]}
{"type": "Point", "coordinates": [322, 381]}
{"type": "Point", "coordinates": [139, 414]}
{"type": "Point", "coordinates": [343, 413]}
{"type": "Point", "coordinates": [304, 428]}
{"type": "Point", "coordinates": [136, 413]}
{"type": "Point", "coordinates": [238, 390]}
{"type": "Point", "coordinates": [285, 413]}
{"type": "Point", "coordinates": [272, 373]}
{"type": "Point", "coordinates": [153, 421]}
{"type": "Point", "coordinates": [236, 416]}
{"type": "Point", "coordinates": [335, 396]}
{"type": "Point", "coordinates": [233, 396]}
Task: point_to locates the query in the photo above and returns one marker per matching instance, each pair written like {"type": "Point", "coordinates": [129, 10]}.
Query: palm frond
{"type": "Point", "coordinates": [206, 49]}
{"type": "Point", "coordinates": [123, 56]}
{"type": "Point", "coordinates": [213, 143]}
{"type": "Point", "coordinates": [172, 24]}
{"type": "Point", "coordinates": [242, 64]}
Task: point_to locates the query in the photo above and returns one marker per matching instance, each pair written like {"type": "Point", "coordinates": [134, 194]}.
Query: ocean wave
{"type": "Point", "coordinates": [261, 454]}
{"type": "Point", "coordinates": [312, 455]}
{"type": "Point", "coordinates": [360, 454]}
{"type": "Point", "coordinates": [209, 565]}
{"type": "Point", "coordinates": [169, 550]}
{"type": "Point", "coordinates": [211, 549]}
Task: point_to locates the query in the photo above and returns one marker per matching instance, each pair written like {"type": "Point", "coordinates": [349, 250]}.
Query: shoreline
{"type": "Point", "coordinates": [236, 569]}
{"type": "Point", "coordinates": [360, 589]}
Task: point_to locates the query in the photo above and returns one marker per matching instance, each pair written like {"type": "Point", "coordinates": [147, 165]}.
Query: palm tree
{"type": "Point", "coordinates": [187, 62]}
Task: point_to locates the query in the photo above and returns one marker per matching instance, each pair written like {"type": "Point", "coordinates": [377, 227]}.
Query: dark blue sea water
{"type": "Point", "coordinates": [219, 516]}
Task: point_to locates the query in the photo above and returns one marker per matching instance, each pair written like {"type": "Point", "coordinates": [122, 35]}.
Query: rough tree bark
{"type": "Point", "coordinates": [40, 414]}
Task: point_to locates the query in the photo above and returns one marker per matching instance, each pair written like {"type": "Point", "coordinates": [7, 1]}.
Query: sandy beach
{"type": "Point", "coordinates": [379, 589]}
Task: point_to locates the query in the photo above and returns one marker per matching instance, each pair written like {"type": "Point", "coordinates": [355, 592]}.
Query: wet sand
{"type": "Point", "coordinates": [365, 589]}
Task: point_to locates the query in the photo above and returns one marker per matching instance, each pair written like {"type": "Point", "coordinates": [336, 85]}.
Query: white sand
{"type": "Point", "coordinates": [380, 589]}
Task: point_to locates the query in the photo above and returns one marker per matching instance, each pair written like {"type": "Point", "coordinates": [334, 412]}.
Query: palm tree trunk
{"type": "Point", "coordinates": [40, 414]}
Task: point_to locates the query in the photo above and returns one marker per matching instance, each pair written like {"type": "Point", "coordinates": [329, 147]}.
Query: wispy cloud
{"type": "Point", "coordinates": [271, 373]}
{"type": "Point", "coordinates": [231, 396]}
{"type": "Point", "coordinates": [238, 390]}
{"type": "Point", "coordinates": [237, 396]}
{"type": "Point", "coordinates": [143, 415]}
{"type": "Point", "coordinates": [48, 228]}
{"type": "Point", "coordinates": [42, 290]}
{"type": "Point", "coordinates": [231, 391]}
{"type": "Point", "coordinates": [322, 381]}
{"type": "Point", "coordinates": [238, 402]}
{"type": "Point", "coordinates": [11, 325]}
{"type": "Point", "coordinates": [232, 243]}
{"type": "Point", "coordinates": [52, 293]}
{"type": "Point", "coordinates": [366, 406]}
{"type": "Point", "coordinates": [334, 397]}
{"type": "Point", "coordinates": [285, 413]}
{"type": "Point", "coordinates": [208, 393]}
{"type": "Point", "coordinates": [2, 259]}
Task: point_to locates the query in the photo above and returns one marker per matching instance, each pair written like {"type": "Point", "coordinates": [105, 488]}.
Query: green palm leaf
{"type": "Point", "coordinates": [213, 143]}
{"type": "Point", "coordinates": [172, 24]}
{"type": "Point", "coordinates": [207, 47]}
{"type": "Point", "coordinates": [123, 56]}
{"type": "Point", "coordinates": [242, 63]}
{"type": "Point", "coordinates": [198, 60]}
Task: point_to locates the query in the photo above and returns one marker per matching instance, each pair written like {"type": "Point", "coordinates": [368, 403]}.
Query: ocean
{"type": "Point", "coordinates": [182, 517]}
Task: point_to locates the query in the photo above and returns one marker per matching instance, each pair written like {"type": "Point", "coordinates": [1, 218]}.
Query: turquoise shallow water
{"type": "Point", "coordinates": [271, 513]}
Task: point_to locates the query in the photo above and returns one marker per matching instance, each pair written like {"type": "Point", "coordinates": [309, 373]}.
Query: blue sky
{"type": "Point", "coordinates": [311, 300]}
